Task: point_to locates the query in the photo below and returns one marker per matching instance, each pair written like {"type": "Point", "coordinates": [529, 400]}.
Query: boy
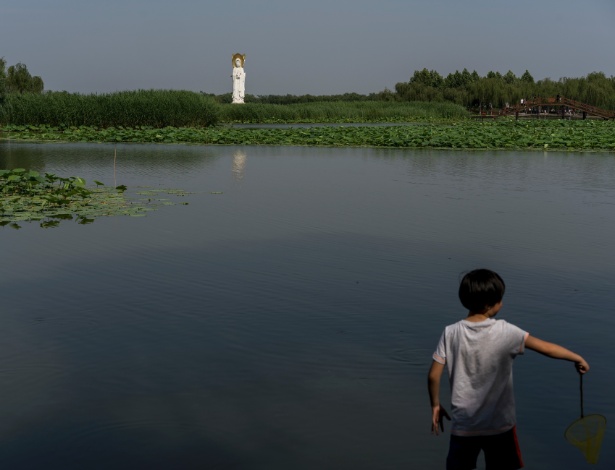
{"type": "Point", "coordinates": [478, 353]}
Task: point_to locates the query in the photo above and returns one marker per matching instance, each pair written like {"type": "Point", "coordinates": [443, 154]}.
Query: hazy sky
{"type": "Point", "coordinates": [299, 47]}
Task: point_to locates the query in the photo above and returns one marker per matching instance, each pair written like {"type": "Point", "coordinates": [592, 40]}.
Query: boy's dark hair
{"type": "Point", "coordinates": [481, 289]}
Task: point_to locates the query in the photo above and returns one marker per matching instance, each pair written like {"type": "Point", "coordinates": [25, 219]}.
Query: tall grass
{"type": "Point", "coordinates": [152, 108]}
{"type": "Point", "coordinates": [340, 111]}
{"type": "Point", "coordinates": [162, 108]}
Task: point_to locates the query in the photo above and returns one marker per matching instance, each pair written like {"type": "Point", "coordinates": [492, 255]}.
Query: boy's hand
{"type": "Point", "coordinates": [582, 366]}
{"type": "Point", "coordinates": [437, 419]}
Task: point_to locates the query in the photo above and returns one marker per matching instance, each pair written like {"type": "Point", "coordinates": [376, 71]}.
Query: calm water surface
{"type": "Point", "coordinates": [285, 318]}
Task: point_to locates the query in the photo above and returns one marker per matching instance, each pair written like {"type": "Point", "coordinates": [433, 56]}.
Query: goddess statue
{"type": "Point", "coordinates": [239, 78]}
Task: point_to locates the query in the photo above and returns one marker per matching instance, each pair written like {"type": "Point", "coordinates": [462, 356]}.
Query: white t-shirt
{"type": "Point", "coordinates": [479, 358]}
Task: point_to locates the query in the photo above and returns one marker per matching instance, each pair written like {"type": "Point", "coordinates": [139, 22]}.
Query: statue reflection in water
{"type": "Point", "coordinates": [239, 164]}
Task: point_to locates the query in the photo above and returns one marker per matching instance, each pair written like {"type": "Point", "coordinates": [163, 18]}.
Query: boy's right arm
{"type": "Point", "coordinates": [438, 413]}
{"type": "Point", "coordinates": [557, 352]}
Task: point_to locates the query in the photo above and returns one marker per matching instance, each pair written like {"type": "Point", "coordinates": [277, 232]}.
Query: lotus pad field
{"type": "Point", "coordinates": [592, 135]}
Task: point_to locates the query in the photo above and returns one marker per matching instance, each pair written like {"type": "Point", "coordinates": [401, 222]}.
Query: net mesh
{"type": "Point", "coordinates": [586, 434]}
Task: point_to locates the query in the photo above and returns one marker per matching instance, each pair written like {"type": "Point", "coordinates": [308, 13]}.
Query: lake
{"type": "Point", "coordinates": [286, 316]}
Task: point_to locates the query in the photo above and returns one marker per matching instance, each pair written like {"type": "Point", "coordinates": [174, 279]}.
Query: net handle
{"type": "Point", "coordinates": [581, 388]}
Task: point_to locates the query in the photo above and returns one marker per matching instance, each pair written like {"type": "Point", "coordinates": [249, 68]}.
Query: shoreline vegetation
{"type": "Point", "coordinates": [460, 134]}
{"type": "Point", "coordinates": [183, 117]}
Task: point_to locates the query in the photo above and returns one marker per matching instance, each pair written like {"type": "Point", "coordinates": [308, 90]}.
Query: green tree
{"type": "Point", "coordinates": [548, 88]}
{"type": "Point", "coordinates": [510, 78]}
{"type": "Point", "coordinates": [495, 75]}
{"type": "Point", "coordinates": [470, 89]}
{"type": "Point", "coordinates": [37, 85]}
{"type": "Point", "coordinates": [453, 80]}
{"type": "Point", "coordinates": [426, 77]}
{"type": "Point", "coordinates": [527, 77]}
{"type": "Point", "coordinates": [19, 80]}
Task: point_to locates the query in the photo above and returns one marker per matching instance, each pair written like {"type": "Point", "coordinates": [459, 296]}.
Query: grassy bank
{"type": "Point", "coordinates": [465, 134]}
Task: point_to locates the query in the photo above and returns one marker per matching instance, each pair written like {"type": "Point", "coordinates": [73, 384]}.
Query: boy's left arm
{"type": "Point", "coordinates": [557, 352]}
{"type": "Point", "coordinates": [438, 413]}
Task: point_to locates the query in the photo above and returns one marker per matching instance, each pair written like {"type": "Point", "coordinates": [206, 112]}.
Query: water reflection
{"type": "Point", "coordinates": [17, 155]}
{"type": "Point", "coordinates": [109, 163]}
{"type": "Point", "coordinates": [239, 164]}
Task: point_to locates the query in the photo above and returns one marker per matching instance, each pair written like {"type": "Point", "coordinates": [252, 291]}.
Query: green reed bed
{"type": "Point", "coordinates": [340, 112]}
{"type": "Point", "coordinates": [163, 108]}
{"type": "Point", "coordinates": [155, 108]}
{"type": "Point", "coordinates": [466, 134]}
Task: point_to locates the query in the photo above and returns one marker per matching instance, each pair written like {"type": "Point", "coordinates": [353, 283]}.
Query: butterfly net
{"type": "Point", "coordinates": [586, 434]}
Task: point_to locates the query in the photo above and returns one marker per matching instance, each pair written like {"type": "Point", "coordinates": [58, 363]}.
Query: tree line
{"type": "Point", "coordinates": [472, 90]}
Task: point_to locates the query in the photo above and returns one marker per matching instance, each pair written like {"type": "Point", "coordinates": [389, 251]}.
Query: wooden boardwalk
{"type": "Point", "coordinates": [550, 108]}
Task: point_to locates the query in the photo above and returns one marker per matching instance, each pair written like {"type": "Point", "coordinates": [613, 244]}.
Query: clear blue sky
{"type": "Point", "coordinates": [300, 47]}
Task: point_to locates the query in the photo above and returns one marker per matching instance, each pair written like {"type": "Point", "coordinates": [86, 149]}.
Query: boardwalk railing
{"type": "Point", "coordinates": [560, 101]}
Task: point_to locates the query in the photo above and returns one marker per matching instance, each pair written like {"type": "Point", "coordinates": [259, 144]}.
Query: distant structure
{"type": "Point", "coordinates": [239, 78]}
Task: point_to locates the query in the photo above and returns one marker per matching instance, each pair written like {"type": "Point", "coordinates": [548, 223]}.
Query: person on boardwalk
{"type": "Point", "coordinates": [478, 353]}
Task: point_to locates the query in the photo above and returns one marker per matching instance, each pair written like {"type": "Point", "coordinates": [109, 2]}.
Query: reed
{"type": "Point", "coordinates": [340, 111]}
{"type": "Point", "coordinates": [167, 108]}
{"type": "Point", "coordinates": [149, 108]}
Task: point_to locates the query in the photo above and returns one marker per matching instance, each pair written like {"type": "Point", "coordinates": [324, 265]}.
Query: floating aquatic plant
{"type": "Point", "coordinates": [26, 196]}
{"type": "Point", "coordinates": [463, 134]}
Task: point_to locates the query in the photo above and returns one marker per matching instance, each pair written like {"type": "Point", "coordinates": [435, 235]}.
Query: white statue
{"type": "Point", "coordinates": [239, 78]}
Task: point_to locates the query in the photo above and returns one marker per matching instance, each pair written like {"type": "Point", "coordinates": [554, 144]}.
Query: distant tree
{"type": "Point", "coordinates": [472, 90]}
{"type": "Point", "coordinates": [426, 77]}
{"type": "Point", "coordinates": [19, 80]}
{"type": "Point", "coordinates": [457, 79]}
{"type": "Point", "coordinates": [547, 87]}
{"type": "Point", "coordinates": [527, 77]}
{"type": "Point", "coordinates": [453, 80]}
{"type": "Point", "coordinates": [466, 76]}
{"type": "Point", "coordinates": [510, 78]}
{"type": "Point", "coordinates": [570, 87]}
{"type": "Point", "coordinates": [37, 85]}
{"type": "Point", "coordinates": [402, 89]}
{"type": "Point", "coordinates": [596, 77]}
{"type": "Point", "coordinates": [385, 95]}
